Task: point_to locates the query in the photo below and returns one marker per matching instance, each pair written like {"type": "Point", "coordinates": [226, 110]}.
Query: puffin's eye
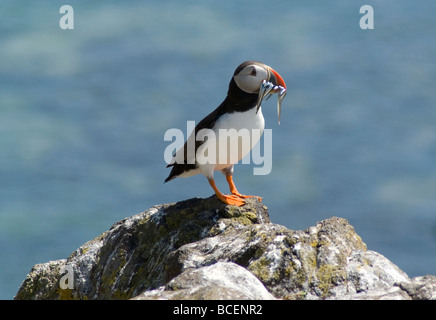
{"type": "Point", "coordinates": [253, 72]}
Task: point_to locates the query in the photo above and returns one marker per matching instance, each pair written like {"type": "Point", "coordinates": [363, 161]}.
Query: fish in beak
{"type": "Point", "coordinates": [274, 84]}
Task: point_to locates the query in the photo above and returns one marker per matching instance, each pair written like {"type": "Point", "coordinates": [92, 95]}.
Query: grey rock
{"type": "Point", "coordinates": [42, 281]}
{"type": "Point", "coordinates": [132, 256]}
{"type": "Point", "coordinates": [203, 249]}
{"type": "Point", "coordinates": [220, 281]}
{"type": "Point", "coordinates": [420, 288]}
{"type": "Point", "coordinates": [393, 293]}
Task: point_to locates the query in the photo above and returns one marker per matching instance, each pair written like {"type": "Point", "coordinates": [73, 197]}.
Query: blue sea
{"type": "Point", "coordinates": [83, 113]}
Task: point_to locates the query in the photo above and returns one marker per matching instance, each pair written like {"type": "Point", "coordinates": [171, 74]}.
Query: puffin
{"type": "Point", "coordinates": [241, 109]}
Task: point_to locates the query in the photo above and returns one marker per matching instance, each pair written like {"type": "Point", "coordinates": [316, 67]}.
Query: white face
{"type": "Point", "coordinates": [250, 78]}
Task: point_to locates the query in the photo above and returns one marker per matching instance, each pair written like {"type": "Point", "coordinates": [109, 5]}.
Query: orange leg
{"type": "Point", "coordinates": [228, 199]}
{"type": "Point", "coordinates": [234, 191]}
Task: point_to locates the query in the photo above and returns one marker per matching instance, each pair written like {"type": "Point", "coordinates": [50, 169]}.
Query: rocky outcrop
{"type": "Point", "coordinates": [204, 249]}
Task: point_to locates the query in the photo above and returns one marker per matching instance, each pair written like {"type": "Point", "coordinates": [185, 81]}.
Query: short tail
{"type": "Point", "coordinates": [178, 169]}
{"type": "Point", "coordinates": [168, 179]}
{"type": "Point", "coordinates": [171, 176]}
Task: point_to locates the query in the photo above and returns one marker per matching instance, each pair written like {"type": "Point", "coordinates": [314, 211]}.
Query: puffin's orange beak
{"type": "Point", "coordinates": [279, 79]}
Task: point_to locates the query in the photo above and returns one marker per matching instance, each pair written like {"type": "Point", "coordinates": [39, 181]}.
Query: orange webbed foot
{"type": "Point", "coordinates": [243, 196]}
{"type": "Point", "coordinates": [226, 198]}
{"type": "Point", "coordinates": [231, 199]}
{"type": "Point", "coordinates": [235, 192]}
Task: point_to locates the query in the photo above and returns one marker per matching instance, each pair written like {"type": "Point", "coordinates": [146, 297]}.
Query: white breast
{"type": "Point", "coordinates": [235, 135]}
{"type": "Point", "coordinates": [242, 120]}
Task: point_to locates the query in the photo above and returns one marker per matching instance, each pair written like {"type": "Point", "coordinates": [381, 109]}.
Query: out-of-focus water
{"type": "Point", "coordinates": [83, 114]}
